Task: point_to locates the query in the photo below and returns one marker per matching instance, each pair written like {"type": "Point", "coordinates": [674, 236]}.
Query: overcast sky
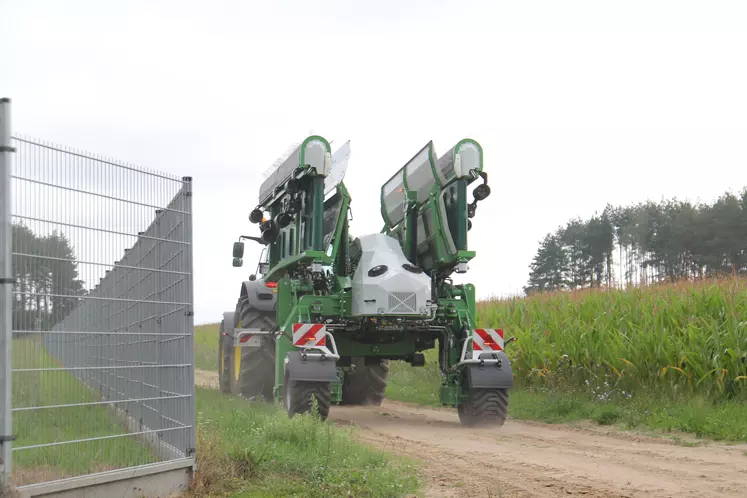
{"type": "Point", "coordinates": [576, 104]}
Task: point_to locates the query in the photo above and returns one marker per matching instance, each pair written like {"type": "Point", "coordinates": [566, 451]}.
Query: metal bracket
{"type": "Point", "coordinates": [7, 148]}
{"type": "Point", "coordinates": [475, 361]}
{"type": "Point", "coordinates": [321, 352]}
{"type": "Point", "coordinates": [4, 439]}
{"type": "Point", "coordinates": [255, 239]}
{"type": "Point", "coordinates": [8, 280]}
{"type": "Point", "coordinates": [252, 341]}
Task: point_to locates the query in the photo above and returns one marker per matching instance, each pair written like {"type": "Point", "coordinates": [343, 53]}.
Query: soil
{"type": "Point", "coordinates": [528, 459]}
{"type": "Point", "coordinates": [206, 379]}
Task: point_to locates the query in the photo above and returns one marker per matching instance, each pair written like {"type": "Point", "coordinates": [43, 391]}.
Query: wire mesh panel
{"type": "Point", "coordinates": [102, 351]}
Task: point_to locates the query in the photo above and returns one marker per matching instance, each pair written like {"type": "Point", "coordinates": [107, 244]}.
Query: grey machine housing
{"type": "Point", "coordinates": [385, 282]}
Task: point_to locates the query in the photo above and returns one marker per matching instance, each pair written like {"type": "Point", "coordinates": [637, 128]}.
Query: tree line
{"type": "Point", "coordinates": [46, 279]}
{"type": "Point", "coordinates": [645, 243]}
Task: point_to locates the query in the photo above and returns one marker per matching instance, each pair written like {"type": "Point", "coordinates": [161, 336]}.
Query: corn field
{"type": "Point", "coordinates": [684, 338]}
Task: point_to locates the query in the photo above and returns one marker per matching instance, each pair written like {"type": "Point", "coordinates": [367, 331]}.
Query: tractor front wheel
{"type": "Point", "coordinates": [254, 367]}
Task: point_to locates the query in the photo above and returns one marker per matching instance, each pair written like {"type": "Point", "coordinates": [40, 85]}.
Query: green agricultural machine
{"type": "Point", "coordinates": [327, 311]}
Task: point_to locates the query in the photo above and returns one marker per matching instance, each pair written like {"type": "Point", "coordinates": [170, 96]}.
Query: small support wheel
{"type": "Point", "coordinates": [298, 397]}
{"type": "Point", "coordinates": [484, 407]}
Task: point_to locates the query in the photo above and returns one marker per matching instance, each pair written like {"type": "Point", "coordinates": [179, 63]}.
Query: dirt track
{"type": "Point", "coordinates": [524, 459]}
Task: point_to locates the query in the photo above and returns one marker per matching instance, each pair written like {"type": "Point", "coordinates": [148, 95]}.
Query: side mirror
{"type": "Point", "coordinates": [252, 277]}
{"type": "Point", "coordinates": [238, 262]}
{"type": "Point", "coordinates": [238, 250]}
{"type": "Point", "coordinates": [264, 268]}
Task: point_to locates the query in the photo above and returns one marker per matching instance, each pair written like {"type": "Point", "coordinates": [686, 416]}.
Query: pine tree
{"type": "Point", "coordinates": [654, 242]}
{"type": "Point", "coordinates": [548, 267]}
{"type": "Point", "coordinates": [46, 279]}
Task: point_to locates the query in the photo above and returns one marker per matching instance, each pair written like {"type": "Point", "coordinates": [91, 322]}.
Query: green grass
{"type": "Point", "coordinates": [243, 449]}
{"type": "Point", "coordinates": [248, 449]}
{"type": "Point", "coordinates": [33, 427]}
{"type": "Point", "coordinates": [726, 420]}
{"type": "Point", "coordinates": [206, 347]}
{"type": "Point", "coordinates": [415, 384]}
{"type": "Point", "coordinates": [694, 415]}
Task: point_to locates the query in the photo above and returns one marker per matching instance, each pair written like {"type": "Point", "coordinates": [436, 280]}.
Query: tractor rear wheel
{"type": "Point", "coordinates": [484, 407]}
{"type": "Point", "coordinates": [298, 397]}
{"type": "Point", "coordinates": [365, 384]}
{"type": "Point", "coordinates": [225, 346]}
{"type": "Point", "coordinates": [254, 376]}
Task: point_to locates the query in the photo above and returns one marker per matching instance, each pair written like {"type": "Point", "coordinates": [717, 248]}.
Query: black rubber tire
{"type": "Point", "coordinates": [225, 347]}
{"type": "Point", "coordinates": [484, 407]}
{"type": "Point", "coordinates": [298, 397]}
{"type": "Point", "coordinates": [365, 384]}
{"type": "Point", "coordinates": [257, 369]}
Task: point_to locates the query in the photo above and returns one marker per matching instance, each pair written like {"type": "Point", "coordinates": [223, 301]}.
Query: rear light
{"type": "Point", "coordinates": [271, 285]}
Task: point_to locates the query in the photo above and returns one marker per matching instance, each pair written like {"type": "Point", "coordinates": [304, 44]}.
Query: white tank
{"type": "Point", "coordinates": [385, 282]}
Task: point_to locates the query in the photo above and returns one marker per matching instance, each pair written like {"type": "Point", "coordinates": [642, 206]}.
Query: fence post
{"type": "Point", "coordinates": [6, 291]}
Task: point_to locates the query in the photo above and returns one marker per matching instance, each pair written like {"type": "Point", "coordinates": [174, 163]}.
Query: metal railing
{"type": "Point", "coordinates": [102, 328]}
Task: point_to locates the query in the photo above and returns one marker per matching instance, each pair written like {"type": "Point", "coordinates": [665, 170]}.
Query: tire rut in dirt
{"type": "Point", "coordinates": [484, 407]}
{"type": "Point", "coordinates": [257, 369]}
{"type": "Point", "coordinates": [367, 384]}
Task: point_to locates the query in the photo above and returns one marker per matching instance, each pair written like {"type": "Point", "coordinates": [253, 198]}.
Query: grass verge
{"type": "Point", "coordinates": [254, 449]}
{"type": "Point", "coordinates": [206, 347]}
{"type": "Point", "coordinates": [658, 411]}
{"type": "Point", "coordinates": [62, 423]}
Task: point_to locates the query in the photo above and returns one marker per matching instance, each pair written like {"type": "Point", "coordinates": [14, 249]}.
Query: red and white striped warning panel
{"type": "Point", "coordinates": [309, 334]}
{"type": "Point", "coordinates": [486, 341]}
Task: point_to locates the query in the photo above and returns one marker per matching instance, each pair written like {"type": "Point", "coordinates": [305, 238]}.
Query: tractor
{"type": "Point", "coordinates": [325, 312]}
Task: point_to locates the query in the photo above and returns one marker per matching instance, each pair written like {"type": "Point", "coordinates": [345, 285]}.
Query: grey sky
{"type": "Point", "coordinates": [648, 96]}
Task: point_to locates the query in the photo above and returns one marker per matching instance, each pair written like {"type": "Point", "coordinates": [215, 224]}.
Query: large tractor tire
{"type": "Point", "coordinates": [484, 407]}
{"type": "Point", "coordinates": [298, 397]}
{"type": "Point", "coordinates": [365, 384]}
{"type": "Point", "coordinates": [225, 351]}
{"type": "Point", "coordinates": [253, 372]}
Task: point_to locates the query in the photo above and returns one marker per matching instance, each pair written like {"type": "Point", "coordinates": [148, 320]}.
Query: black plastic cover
{"type": "Point", "coordinates": [490, 375]}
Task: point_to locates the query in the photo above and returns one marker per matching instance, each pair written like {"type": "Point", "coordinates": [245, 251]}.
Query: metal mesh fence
{"type": "Point", "coordinates": [102, 345]}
